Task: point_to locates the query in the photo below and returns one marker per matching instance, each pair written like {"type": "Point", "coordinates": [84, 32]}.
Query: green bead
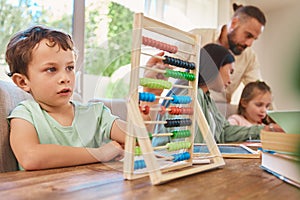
{"type": "Point", "coordinates": [137, 151]}
{"type": "Point", "coordinates": [150, 136]}
{"type": "Point", "coordinates": [155, 83]}
{"type": "Point", "coordinates": [181, 134]}
{"type": "Point", "coordinates": [180, 75]}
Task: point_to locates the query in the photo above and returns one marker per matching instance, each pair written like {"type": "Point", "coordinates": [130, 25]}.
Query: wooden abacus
{"type": "Point", "coordinates": [137, 132]}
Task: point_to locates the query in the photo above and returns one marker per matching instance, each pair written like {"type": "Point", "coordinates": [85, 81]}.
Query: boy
{"type": "Point", "coordinates": [51, 130]}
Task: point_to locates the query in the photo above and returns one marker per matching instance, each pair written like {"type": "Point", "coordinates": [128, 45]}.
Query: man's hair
{"type": "Point", "coordinates": [244, 12]}
{"type": "Point", "coordinates": [19, 49]}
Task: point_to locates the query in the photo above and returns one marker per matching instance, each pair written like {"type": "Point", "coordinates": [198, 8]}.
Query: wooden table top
{"type": "Point", "coordinates": [238, 179]}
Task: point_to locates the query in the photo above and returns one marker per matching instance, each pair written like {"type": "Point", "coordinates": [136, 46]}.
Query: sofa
{"type": "Point", "coordinates": [10, 96]}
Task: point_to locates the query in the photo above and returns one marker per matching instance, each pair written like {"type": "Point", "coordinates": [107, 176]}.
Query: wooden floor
{"type": "Point", "coordinates": [239, 179]}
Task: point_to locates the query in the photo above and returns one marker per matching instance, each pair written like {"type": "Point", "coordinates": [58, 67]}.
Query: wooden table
{"type": "Point", "coordinates": [238, 179]}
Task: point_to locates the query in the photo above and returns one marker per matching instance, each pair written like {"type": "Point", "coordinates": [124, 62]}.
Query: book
{"type": "Point", "coordinates": [227, 151]}
{"type": "Point", "coordinates": [281, 151]}
{"type": "Point", "coordinates": [287, 143]}
{"type": "Point", "coordinates": [283, 166]}
{"type": "Point", "coordinates": [287, 119]}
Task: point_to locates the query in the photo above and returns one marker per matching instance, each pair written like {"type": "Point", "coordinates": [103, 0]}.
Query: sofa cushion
{"type": "Point", "coordinates": [117, 106]}
{"type": "Point", "coordinates": [10, 96]}
{"type": "Point", "coordinates": [227, 109]}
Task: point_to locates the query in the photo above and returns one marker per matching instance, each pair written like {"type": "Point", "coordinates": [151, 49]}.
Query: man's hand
{"type": "Point", "coordinates": [156, 63]}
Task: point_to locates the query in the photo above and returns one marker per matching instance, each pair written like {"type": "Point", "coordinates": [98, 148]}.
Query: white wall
{"type": "Point", "coordinates": [277, 49]}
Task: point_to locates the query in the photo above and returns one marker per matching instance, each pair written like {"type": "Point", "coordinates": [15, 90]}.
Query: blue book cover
{"type": "Point", "coordinates": [281, 177]}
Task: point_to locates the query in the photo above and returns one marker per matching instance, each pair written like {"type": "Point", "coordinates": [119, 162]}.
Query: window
{"type": "Point", "coordinates": [108, 38]}
{"type": "Point", "coordinates": [102, 33]}
{"type": "Point", "coordinates": [16, 15]}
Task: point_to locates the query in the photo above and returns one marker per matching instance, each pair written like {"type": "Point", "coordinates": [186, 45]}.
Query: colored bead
{"type": "Point", "coordinates": [150, 136]}
{"type": "Point", "coordinates": [174, 146]}
{"type": "Point", "coordinates": [181, 99]}
{"type": "Point", "coordinates": [181, 111]}
{"type": "Point", "coordinates": [180, 134]}
{"type": "Point", "coordinates": [155, 83]}
{"type": "Point", "coordinates": [145, 96]}
{"type": "Point", "coordinates": [180, 75]}
{"type": "Point", "coordinates": [159, 45]}
{"type": "Point", "coordinates": [179, 63]}
{"type": "Point", "coordinates": [181, 156]}
{"type": "Point", "coordinates": [137, 151]}
{"type": "Point", "coordinates": [146, 110]}
{"type": "Point", "coordinates": [139, 164]}
{"type": "Point", "coordinates": [178, 122]}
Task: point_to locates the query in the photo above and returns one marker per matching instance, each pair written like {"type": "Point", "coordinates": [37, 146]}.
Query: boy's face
{"type": "Point", "coordinates": [51, 74]}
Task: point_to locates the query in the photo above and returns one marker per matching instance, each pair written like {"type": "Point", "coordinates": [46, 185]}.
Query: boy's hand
{"type": "Point", "coordinates": [108, 152]}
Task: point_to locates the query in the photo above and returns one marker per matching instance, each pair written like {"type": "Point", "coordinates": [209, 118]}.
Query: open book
{"type": "Point", "coordinates": [289, 120]}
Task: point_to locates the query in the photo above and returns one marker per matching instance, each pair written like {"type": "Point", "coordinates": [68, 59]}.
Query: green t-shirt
{"type": "Point", "coordinates": [90, 127]}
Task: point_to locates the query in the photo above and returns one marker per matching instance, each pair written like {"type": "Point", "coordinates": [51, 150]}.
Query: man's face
{"type": "Point", "coordinates": [242, 34]}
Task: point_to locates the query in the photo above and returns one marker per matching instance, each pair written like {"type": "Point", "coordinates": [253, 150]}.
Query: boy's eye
{"type": "Point", "coordinates": [51, 69]}
{"type": "Point", "coordinates": [70, 68]}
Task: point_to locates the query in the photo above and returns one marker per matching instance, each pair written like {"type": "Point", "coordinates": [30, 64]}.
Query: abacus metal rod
{"type": "Point", "coordinates": [162, 134]}
{"type": "Point", "coordinates": [155, 122]}
{"type": "Point", "coordinates": [155, 56]}
{"type": "Point", "coordinates": [183, 86]}
{"type": "Point", "coordinates": [166, 109]}
{"type": "Point", "coordinates": [154, 69]}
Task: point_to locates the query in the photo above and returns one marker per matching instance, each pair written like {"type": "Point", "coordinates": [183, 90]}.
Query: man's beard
{"type": "Point", "coordinates": [235, 47]}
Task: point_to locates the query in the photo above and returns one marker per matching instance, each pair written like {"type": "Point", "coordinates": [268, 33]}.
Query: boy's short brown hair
{"type": "Point", "coordinates": [19, 49]}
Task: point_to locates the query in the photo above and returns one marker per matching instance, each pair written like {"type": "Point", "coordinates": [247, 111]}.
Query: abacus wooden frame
{"type": "Point", "coordinates": [136, 127]}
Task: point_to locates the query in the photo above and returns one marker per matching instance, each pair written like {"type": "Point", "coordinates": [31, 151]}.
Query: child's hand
{"type": "Point", "coordinates": [108, 152]}
{"type": "Point", "coordinates": [273, 127]}
{"type": "Point", "coordinates": [156, 63]}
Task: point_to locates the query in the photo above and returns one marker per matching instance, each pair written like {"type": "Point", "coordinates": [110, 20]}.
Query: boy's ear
{"type": "Point", "coordinates": [21, 81]}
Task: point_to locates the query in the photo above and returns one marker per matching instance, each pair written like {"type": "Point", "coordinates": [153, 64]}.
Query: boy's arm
{"type": "Point", "coordinates": [118, 131]}
{"type": "Point", "coordinates": [34, 156]}
{"type": "Point", "coordinates": [119, 128]}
